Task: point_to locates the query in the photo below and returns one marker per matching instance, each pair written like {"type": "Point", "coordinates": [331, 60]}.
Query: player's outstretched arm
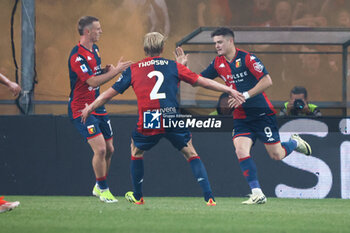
{"type": "Point", "coordinates": [112, 71]}
{"type": "Point", "coordinates": [101, 100]}
{"type": "Point", "coordinates": [215, 86]}
{"type": "Point", "coordinates": [12, 86]}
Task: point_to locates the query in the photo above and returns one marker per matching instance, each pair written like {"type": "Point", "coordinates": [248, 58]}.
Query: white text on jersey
{"type": "Point", "coordinates": [153, 62]}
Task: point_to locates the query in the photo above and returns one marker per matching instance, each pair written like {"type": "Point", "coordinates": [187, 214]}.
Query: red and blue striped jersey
{"type": "Point", "coordinates": [242, 73]}
{"type": "Point", "coordinates": [155, 81]}
{"type": "Point", "coordinates": [83, 64]}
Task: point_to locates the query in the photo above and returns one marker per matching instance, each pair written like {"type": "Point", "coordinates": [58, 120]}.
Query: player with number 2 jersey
{"type": "Point", "coordinates": [155, 81]}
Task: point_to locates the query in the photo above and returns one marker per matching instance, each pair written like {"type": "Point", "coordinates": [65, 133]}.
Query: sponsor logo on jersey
{"type": "Point", "coordinates": [89, 58]}
{"type": "Point", "coordinates": [84, 68]}
{"type": "Point", "coordinates": [222, 65]}
{"type": "Point", "coordinates": [270, 139]}
{"type": "Point", "coordinates": [235, 78]}
{"type": "Point", "coordinates": [238, 63]}
{"type": "Point", "coordinates": [252, 57]}
{"type": "Point", "coordinates": [91, 129]}
{"type": "Point", "coordinates": [151, 119]}
{"type": "Point", "coordinates": [258, 67]}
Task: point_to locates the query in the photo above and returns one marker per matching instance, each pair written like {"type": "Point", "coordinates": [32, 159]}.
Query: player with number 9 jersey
{"type": "Point", "coordinates": [254, 119]}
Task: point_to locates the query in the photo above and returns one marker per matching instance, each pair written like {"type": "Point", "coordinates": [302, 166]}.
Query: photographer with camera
{"type": "Point", "coordinates": [298, 104]}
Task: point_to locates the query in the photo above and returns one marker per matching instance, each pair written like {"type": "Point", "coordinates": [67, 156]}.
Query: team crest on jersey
{"type": "Point", "coordinates": [238, 63]}
{"type": "Point", "coordinates": [151, 119]}
{"type": "Point", "coordinates": [222, 65]}
{"type": "Point", "coordinates": [89, 58]}
{"type": "Point", "coordinates": [258, 67]}
{"type": "Point", "coordinates": [98, 53]}
{"type": "Point", "coordinates": [91, 129]}
{"type": "Point", "coordinates": [252, 57]}
{"type": "Point", "coordinates": [84, 68]}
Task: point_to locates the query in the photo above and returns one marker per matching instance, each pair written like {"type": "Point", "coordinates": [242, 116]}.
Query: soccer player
{"type": "Point", "coordinates": [155, 81]}
{"type": "Point", "coordinates": [86, 77]}
{"type": "Point", "coordinates": [254, 119]}
{"type": "Point", "coordinates": [15, 89]}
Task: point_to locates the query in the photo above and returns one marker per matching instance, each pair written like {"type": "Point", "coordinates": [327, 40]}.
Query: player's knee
{"type": "Point", "coordinates": [192, 154]}
{"type": "Point", "coordinates": [110, 150]}
{"type": "Point", "coordinates": [100, 152]}
{"type": "Point", "coordinates": [189, 152]}
{"type": "Point", "coordinates": [136, 152]}
{"type": "Point", "coordinates": [240, 152]}
{"type": "Point", "coordinates": [276, 155]}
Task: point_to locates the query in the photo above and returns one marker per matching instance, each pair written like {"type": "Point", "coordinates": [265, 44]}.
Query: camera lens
{"type": "Point", "coordinates": [299, 104]}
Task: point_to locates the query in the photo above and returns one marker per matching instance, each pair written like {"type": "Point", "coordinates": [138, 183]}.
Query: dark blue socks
{"type": "Point", "coordinates": [249, 171]}
{"type": "Point", "coordinates": [201, 176]}
{"type": "Point", "coordinates": [102, 182]}
{"type": "Point", "coordinates": [289, 146]}
{"type": "Point", "coordinates": [137, 172]}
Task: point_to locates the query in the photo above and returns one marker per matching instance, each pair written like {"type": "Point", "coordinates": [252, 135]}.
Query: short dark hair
{"type": "Point", "coordinates": [84, 22]}
{"type": "Point", "coordinates": [299, 90]}
{"type": "Point", "coordinates": [223, 31]}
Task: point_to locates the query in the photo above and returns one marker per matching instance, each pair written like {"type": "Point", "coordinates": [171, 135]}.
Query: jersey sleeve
{"type": "Point", "coordinates": [186, 74]}
{"type": "Point", "coordinates": [124, 81]}
{"type": "Point", "coordinates": [255, 66]}
{"type": "Point", "coordinates": [210, 71]}
{"type": "Point", "coordinates": [80, 66]}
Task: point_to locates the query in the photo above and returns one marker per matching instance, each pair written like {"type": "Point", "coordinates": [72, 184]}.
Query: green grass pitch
{"type": "Point", "coordinates": [174, 214]}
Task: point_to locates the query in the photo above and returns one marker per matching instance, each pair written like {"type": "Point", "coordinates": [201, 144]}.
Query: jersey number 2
{"type": "Point", "coordinates": [160, 79]}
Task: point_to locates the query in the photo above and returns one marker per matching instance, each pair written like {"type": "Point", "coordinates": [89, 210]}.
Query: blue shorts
{"type": "Point", "coordinates": [178, 138]}
{"type": "Point", "coordinates": [94, 126]}
{"type": "Point", "coordinates": [263, 128]}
